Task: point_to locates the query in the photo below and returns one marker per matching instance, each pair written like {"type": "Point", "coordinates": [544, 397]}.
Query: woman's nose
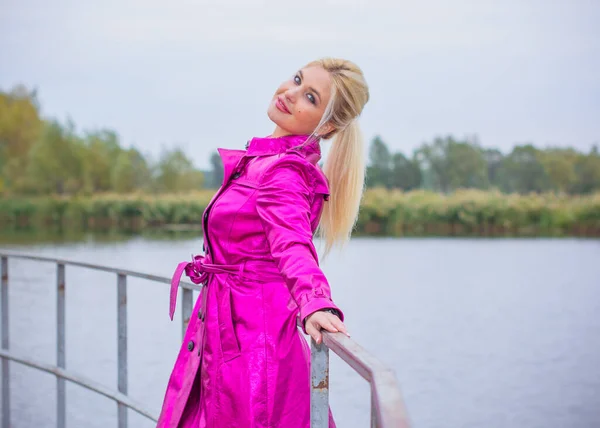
{"type": "Point", "coordinates": [291, 94]}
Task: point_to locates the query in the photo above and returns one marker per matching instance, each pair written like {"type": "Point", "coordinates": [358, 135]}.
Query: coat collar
{"type": "Point", "coordinates": [264, 146]}
{"type": "Point", "coordinates": [268, 146]}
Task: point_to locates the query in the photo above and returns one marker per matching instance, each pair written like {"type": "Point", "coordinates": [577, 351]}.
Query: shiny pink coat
{"type": "Point", "coordinates": [244, 362]}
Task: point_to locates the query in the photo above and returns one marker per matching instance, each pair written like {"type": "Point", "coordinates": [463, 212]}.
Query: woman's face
{"type": "Point", "coordinates": [299, 103]}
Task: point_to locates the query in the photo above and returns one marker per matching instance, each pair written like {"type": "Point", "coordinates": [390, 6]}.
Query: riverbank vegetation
{"type": "Point", "coordinates": [383, 212]}
{"type": "Point", "coordinates": [54, 175]}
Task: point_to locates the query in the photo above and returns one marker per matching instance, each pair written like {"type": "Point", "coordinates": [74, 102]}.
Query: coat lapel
{"type": "Point", "coordinates": [230, 158]}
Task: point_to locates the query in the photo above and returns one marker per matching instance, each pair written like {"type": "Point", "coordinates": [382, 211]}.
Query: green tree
{"type": "Point", "coordinates": [130, 172]}
{"type": "Point", "coordinates": [379, 171]}
{"type": "Point", "coordinates": [559, 165]}
{"type": "Point", "coordinates": [522, 171]}
{"type": "Point", "coordinates": [406, 174]}
{"type": "Point", "coordinates": [143, 175]}
{"type": "Point", "coordinates": [101, 155]}
{"type": "Point", "coordinates": [175, 172]}
{"type": "Point", "coordinates": [217, 172]}
{"type": "Point", "coordinates": [20, 128]}
{"type": "Point", "coordinates": [433, 160]}
{"type": "Point", "coordinates": [493, 159]}
{"type": "Point", "coordinates": [452, 164]}
{"type": "Point", "coordinates": [55, 160]}
{"type": "Point", "coordinates": [587, 172]}
{"type": "Point", "coordinates": [467, 166]}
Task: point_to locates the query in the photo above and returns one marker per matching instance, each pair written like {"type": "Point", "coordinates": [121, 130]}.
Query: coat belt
{"type": "Point", "coordinates": [199, 269]}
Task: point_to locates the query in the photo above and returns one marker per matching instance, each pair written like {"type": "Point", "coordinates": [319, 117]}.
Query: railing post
{"type": "Point", "coordinates": [319, 394]}
{"type": "Point", "coordinates": [5, 372]}
{"type": "Point", "coordinates": [186, 309]}
{"type": "Point", "coordinates": [373, 410]}
{"type": "Point", "coordinates": [122, 345]}
{"type": "Point", "coordinates": [61, 403]}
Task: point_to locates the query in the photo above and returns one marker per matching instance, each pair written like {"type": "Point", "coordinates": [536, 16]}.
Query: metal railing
{"type": "Point", "coordinates": [387, 407]}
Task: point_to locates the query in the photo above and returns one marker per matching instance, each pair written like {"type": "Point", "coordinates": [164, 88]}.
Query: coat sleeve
{"type": "Point", "coordinates": [283, 204]}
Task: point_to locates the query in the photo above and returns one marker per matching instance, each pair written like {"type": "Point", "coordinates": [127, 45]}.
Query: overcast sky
{"type": "Point", "coordinates": [200, 74]}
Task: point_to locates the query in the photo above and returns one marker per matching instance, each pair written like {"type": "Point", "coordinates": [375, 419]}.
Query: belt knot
{"type": "Point", "coordinates": [195, 269]}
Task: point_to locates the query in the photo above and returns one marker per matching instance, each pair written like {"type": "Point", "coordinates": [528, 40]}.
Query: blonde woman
{"type": "Point", "coordinates": [244, 362]}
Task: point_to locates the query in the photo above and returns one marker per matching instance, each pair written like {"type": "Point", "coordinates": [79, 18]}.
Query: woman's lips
{"type": "Point", "coordinates": [281, 106]}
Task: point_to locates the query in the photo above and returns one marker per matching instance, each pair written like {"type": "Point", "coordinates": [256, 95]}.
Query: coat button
{"type": "Point", "coordinates": [200, 314]}
{"type": "Point", "coordinates": [190, 345]}
{"type": "Point", "coordinates": [235, 175]}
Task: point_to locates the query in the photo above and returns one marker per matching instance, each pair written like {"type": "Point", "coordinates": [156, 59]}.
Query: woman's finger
{"type": "Point", "coordinates": [313, 331]}
{"type": "Point", "coordinates": [328, 325]}
{"type": "Point", "coordinates": [340, 326]}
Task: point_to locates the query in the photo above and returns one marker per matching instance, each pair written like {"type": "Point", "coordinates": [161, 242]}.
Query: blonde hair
{"type": "Point", "coordinates": [345, 163]}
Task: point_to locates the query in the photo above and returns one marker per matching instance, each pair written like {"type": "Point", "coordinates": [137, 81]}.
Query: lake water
{"type": "Point", "coordinates": [480, 332]}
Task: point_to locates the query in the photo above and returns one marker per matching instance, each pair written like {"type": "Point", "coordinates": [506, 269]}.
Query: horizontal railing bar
{"type": "Point", "coordinates": [163, 279]}
{"type": "Point", "coordinates": [82, 381]}
{"type": "Point", "coordinates": [353, 354]}
{"type": "Point", "coordinates": [389, 406]}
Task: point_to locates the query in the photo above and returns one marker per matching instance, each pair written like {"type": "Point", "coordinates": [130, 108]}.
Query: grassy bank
{"type": "Point", "coordinates": [479, 213]}
{"type": "Point", "coordinates": [383, 212]}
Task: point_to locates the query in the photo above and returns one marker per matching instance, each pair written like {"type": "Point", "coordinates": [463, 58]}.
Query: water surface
{"type": "Point", "coordinates": [480, 332]}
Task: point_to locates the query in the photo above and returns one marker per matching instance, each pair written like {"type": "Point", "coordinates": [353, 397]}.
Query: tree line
{"type": "Point", "coordinates": [448, 164]}
{"type": "Point", "coordinates": [41, 156]}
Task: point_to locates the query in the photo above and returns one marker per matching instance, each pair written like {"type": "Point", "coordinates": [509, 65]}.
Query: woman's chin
{"type": "Point", "coordinates": [275, 115]}
{"type": "Point", "coordinates": [277, 120]}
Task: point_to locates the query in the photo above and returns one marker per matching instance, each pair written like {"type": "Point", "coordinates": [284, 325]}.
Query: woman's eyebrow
{"type": "Point", "coordinates": [310, 87]}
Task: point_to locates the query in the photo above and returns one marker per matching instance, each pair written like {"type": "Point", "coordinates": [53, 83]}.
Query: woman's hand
{"type": "Point", "coordinates": [323, 320]}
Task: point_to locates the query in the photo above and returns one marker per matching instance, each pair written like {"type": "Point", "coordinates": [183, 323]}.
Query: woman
{"type": "Point", "coordinates": [244, 362]}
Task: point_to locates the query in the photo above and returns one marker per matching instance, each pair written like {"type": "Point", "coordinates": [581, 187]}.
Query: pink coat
{"type": "Point", "coordinates": [244, 362]}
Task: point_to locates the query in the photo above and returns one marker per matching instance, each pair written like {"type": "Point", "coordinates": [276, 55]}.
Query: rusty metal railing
{"type": "Point", "coordinates": [387, 407]}
{"type": "Point", "coordinates": [60, 370]}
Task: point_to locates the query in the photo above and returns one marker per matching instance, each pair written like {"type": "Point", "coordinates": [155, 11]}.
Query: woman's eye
{"type": "Point", "coordinates": [311, 98]}
{"type": "Point", "coordinates": [297, 79]}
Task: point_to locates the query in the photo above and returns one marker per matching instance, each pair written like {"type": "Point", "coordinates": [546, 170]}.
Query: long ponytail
{"type": "Point", "coordinates": [345, 164]}
{"type": "Point", "coordinates": [345, 170]}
